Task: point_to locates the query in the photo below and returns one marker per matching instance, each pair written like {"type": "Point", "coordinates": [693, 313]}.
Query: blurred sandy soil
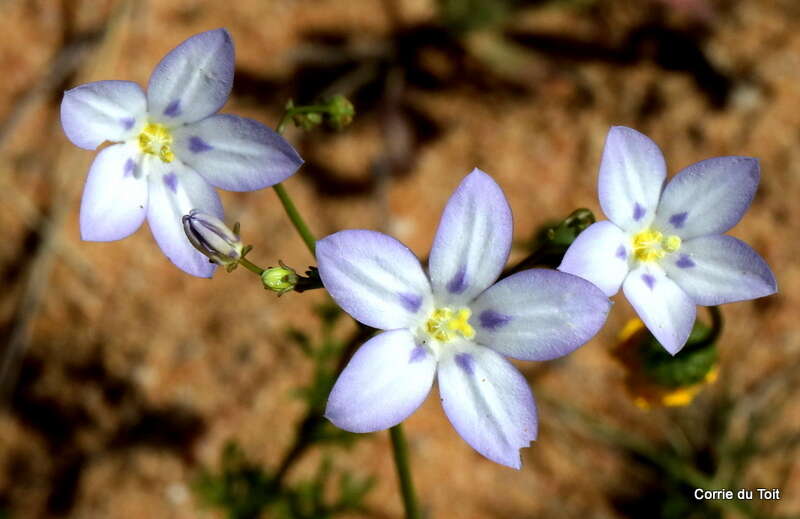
{"type": "Point", "coordinates": [136, 374]}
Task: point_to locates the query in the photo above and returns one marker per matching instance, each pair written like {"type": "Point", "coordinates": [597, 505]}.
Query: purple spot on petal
{"type": "Point", "coordinates": [417, 354]}
{"type": "Point", "coordinates": [171, 180]}
{"type": "Point", "coordinates": [649, 280]}
{"type": "Point", "coordinates": [678, 219]}
{"type": "Point", "coordinates": [198, 145]}
{"type": "Point", "coordinates": [621, 253]}
{"type": "Point", "coordinates": [493, 320]}
{"type": "Point", "coordinates": [685, 262]}
{"type": "Point", "coordinates": [458, 283]}
{"type": "Point", "coordinates": [466, 363]}
{"type": "Point", "coordinates": [173, 109]}
{"type": "Point", "coordinates": [127, 122]}
{"type": "Point", "coordinates": [130, 167]}
{"type": "Point", "coordinates": [410, 302]}
{"type": "Point", "coordinates": [638, 211]}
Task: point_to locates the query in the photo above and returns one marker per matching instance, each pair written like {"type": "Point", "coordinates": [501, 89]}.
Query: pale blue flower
{"type": "Point", "coordinates": [170, 148]}
{"type": "Point", "coordinates": [454, 323]}
{"type": "Point", "coordinates": [664, 244]}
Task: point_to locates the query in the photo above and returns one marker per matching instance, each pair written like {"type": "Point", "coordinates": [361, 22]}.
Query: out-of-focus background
{"type": "Point", "coordinates": [127, 378]}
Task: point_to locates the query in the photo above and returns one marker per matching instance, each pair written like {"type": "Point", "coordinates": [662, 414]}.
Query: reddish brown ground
{"type": "Point", "coordinates": [136, 374]}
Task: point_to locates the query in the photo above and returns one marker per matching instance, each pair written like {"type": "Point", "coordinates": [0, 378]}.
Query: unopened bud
{"type": "Point", "coordinates": [279, 279]}
{"type": "Point", "coordinates": [209, 235]}
{"type": "Point", "coordinates": [340, 111]}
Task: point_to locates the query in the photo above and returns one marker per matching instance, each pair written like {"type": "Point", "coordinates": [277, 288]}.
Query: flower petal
{"type": "Point", "coordinates": [472, 242]}
{"type": "Point", "coordinates": [538, 314]}
{"type": "Point", "coordinates": [114, 201]}
{"type": "Point", "coordinates": [385, 381]}
{"type": "Point", "coordinates": [174, 191]}
{"type": "Point", "coordinates": [632, 171]}
{"type": "Point", "coordinates": [665, 309]}
{"type": "Point", "coordinates": [708, 197]}
{"type": "Point", "coordinates": [488, 402]}
{"type": "Point", "coordinates": [194, 80]}
{"type": "Point", "coordinates": [102, 111]}
{"type": "Point", "coordinates": [714, 270]}
{"type": "Point", "coordinates": [374, 278]}
{"type": "Point", "coordinates": [599, 254]}
{"type": "Point", "coordinates": [236, 153]}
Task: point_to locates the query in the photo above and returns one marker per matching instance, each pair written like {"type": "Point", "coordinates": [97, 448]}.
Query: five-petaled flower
{"type": "Point", "coordinates": [666, 248]}
{"type": "Point", "coordinates": [457, 324]}
{"type": "Point", "coordinates": [170, 148]}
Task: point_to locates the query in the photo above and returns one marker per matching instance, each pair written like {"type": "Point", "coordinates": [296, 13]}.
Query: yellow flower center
{"type": "Point", "coordinates": [650, 245]}
{"type": "Point", "coordinates": [156, 139]}
{"type": "Point", "coordinates": [444, 324]}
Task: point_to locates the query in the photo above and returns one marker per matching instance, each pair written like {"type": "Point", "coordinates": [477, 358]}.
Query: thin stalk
{"type": "Point", "coordinates": [249, 265]}
{"type": "Point", "coordinates": [400, 449]}
{"type": "Point", "coordinates": [291, 112]}
{"type": "Point", "coordinates": [294, 216]}
{"type": "Point", "coordinates": [288, 205]}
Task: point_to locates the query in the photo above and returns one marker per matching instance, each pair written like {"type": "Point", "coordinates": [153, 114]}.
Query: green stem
{"type": "Point", "coordinates": [294, 216]}
{"type": "Point", "coordinates": [286, 200]}
{"type": "Point", "coordinates": [252, 267]}
{"type": "Point", "coordinates": [291, 112]}
{"type": "Point", "coordinates": [400, 450]}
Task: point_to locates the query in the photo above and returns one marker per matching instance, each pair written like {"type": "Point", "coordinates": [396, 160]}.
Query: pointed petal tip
{"type": "Point", "coordinates": [625, 131]}
{"type": "Point", "coordinates": [476, 213]}
{"type": "Point", "coordinates": [193, 80]}
{"type": "Point", "coordinates": [631, 176]}
{"type": "Point", "coordinates": [478, 172]}
{"type": "Point", "coordinates": [515, 464]}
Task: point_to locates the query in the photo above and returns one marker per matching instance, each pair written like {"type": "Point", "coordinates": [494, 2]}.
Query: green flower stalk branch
{"type": "Point", "coordinates": [339, 112]}
{"type": "Point", "coordinates": [295, 217]}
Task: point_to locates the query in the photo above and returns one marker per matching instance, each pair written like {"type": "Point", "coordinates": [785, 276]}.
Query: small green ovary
{"type": "Point", "coordinates": [650, 245]}
{"type": "Point", "coordinates": [156, 139]}
{"type": "Point", "coordinates": [445, 325]}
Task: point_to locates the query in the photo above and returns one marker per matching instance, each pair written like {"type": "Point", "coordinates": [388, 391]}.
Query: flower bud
{"type": "Point", "coordinates": [279, 279]}
{"type": "Point", "coordinates": [340, 111]}
{"type": "Point", "coordinates": [213, 238]}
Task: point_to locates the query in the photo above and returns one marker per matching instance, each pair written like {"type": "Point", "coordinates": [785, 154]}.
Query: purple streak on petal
{"type": "Point", "coordinates": [685, 262]}
{"type": "Point", "coordinates": [678, 219]}
{"type": "Point", "coordinates": [198, 145]}
{"type": "Point", "coordinates": [638, 211]}
{"type": "Point", "coordinates": [492, 320]}
{"type": "Point", "coordinates": [649, 280]}
{"type": "Point", "coordinates": [130, 167]}
{"type": "Point", "coordinates": [173, 109]}
{"type": "Point", "coordinates": [417, 354]}
{"type": "Point", "coordinates": [411, 302]}
{"type": "Point", "coordinates": [457, 283]}
{"type": "Point", "coordinates": [171, 180]}
{"type": "Point", "coordinates": [127, 122]}
{"type": "Point", "coordinates": [621, 252]}
{"type": "Point", "coordinates": [466, 363]}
